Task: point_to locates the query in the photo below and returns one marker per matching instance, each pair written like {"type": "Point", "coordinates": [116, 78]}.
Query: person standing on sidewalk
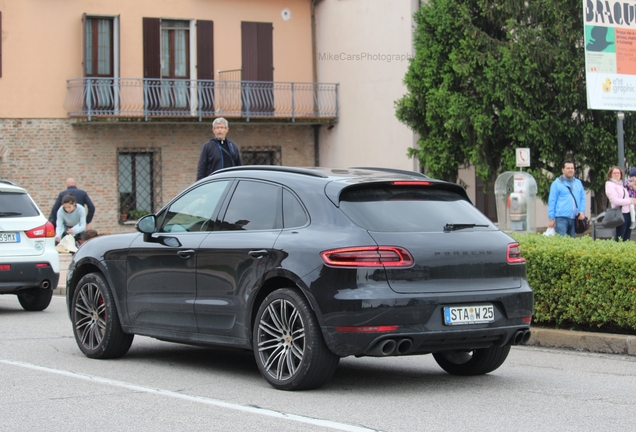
{"type": "Point", "coordinates": [618, 195]}
{"type": "Point", "coordinates": [219, 152]}
{"type": "Point", "coordinates": [566, 201]}
{"type": "Point", "coordinates": [81, 197]}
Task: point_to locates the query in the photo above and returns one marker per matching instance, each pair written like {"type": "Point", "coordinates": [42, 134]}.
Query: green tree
{"type": "Point", "coordinates": [488, 77]}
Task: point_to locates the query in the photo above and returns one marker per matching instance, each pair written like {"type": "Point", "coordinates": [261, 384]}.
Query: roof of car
{"type": "Point", "coordinates": [337, 179]}
{"type": "Point", "coordinates": [329, 173]}
{"type": "Point", "coordinates": [7, 186]}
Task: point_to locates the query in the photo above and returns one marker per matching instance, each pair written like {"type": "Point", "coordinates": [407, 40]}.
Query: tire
{"type": "Point", "coordinates": [477, 362]}
{"type": "Point", "coordinates": [288, 345]}
{"type": "Point", "coordinates": [35, 299]}
{"type": "Point", "coordinates": [95, 321]}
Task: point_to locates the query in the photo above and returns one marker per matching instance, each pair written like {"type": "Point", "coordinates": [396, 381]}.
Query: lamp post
{"type": "Point", "coordinates": [621, 145]}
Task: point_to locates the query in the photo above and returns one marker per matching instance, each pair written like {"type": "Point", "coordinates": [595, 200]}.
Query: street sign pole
{"type": "Point", "coordinates": [621, 144]}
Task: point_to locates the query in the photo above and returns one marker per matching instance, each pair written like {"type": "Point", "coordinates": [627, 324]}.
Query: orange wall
{"type": "Point", "coordinates": [42, 43]}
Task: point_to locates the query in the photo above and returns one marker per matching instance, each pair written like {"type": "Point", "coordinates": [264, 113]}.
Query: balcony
{"type": "Point", "coordinates": [123, 99]}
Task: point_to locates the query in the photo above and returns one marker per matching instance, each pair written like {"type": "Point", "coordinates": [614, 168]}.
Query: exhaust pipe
{"type": "Point", "coordinates": [520, 337]}
{"type": "Point", "coordinates": [404, 345]}
{"type": "Point", "coordinates": [382, 348]}
{"type": "Point", "coordinates": [526, 337]}
{"type": "Point", "coordinates": [45, 284]}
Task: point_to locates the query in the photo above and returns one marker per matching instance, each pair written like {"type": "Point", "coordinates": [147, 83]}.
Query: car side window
{"type": "Point", "coordinates": [254, 206]}
{"type": "Point", "coordinates": [194, 210]}
{"type": "Point", "coordinates": [294, 215]}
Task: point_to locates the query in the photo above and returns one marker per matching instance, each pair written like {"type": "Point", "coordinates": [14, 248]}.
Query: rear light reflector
{"type": "Point", "coordinates": [42, 265]}
{"type": "Point", "coordinates": [368, 256]}
{"type": "Point", "coordinates": [410, 183]}
{"type": "Point", "coordinates": [527, 320]}
{"type": "Point", "coordinates": [514, 254]}
{"type": "Point", "coordinates": [5, 267]}
{"type": "Point", "coordinates": [366, 329]}
{"type": "Point", "coordinates": [46, 230]}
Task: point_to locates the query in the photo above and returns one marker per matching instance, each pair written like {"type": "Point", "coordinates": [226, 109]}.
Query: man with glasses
{"type": "Point", "coordinates": [219, 152]}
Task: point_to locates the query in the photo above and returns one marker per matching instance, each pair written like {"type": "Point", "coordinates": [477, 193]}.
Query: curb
{"type": "Point", "coordinates": [583, 341]}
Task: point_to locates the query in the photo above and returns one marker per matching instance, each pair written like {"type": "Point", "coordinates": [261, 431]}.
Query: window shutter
{"type": "Point", "coordinates": [152, 47]}
{"type": "Point", "coordinates": [264, 32]}
{"type": "Point", "coordinates": [257, 51]}
{"type": "Point", "coordinates": [84, 43]}
{"type": "Point", "coordinates": [205, 50]}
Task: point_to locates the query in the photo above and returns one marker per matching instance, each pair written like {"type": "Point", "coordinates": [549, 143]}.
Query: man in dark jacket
{"type": "Point", "coordinates": [219, 152]}
{"type": "Point", "coordinates": [81, 197]}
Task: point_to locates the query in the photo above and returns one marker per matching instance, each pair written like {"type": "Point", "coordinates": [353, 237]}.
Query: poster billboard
{"type": "Point", "coordinates": [610, 54]}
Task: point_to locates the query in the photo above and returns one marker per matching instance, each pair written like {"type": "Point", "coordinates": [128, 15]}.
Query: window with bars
{"type": "Point", "coordinates": [139, 182]}
{"type": "Point", "coordinates": [261, 155]}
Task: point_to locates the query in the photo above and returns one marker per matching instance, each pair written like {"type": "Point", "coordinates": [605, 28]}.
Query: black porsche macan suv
{"type": "Point", "coordinates": [305, 266]}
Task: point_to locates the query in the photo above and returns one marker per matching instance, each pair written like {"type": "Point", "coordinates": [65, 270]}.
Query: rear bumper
{"type": "Point", "coordinates": [419, 342]}
{"type": "Point", "coordinates": [420, 321]}
{"type": "Point", "coordinates": [27, 275]}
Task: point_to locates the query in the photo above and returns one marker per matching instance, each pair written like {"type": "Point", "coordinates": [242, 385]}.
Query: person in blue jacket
{"type": "Point", "coordinates": [566, 201]}
{"type": "Point", "coordinates": [219, 152]}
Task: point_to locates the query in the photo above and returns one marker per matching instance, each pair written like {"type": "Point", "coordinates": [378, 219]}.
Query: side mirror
{"type": "Point", "coordinates": [147, 224]}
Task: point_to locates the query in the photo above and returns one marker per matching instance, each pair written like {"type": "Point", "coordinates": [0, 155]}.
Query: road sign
{"type": "Point", "coordinates": [523, 157]}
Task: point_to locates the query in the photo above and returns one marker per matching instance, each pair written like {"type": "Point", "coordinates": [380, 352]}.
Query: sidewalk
{"type": "Point", "coordinates": [541, 337]}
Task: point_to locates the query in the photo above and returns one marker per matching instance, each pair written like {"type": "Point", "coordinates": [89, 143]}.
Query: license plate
{"type": "Point", "coordinates": [9, 237]}
{"type": "Point", "coordinates": [457, 315]}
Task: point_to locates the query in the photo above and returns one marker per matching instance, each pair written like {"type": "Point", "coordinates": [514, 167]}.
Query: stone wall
{"type": "Point", "coordinates": [40, 154]}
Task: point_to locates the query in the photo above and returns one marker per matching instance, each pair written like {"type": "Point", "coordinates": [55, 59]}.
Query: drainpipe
{"type": "Point", "coordinates": [315, 78]}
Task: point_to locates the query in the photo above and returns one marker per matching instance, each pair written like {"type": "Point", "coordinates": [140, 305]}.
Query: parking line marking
{"type": "Point", "coordinates": [198, 399]}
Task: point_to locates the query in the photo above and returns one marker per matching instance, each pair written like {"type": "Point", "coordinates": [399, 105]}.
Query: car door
{"type": "Point", "coordinates": [233, 260]}
{"type": "Point", "coordinates": [162, 267]}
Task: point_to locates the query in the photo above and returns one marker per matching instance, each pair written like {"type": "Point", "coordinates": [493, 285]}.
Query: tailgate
{"type": "Point", "coordinates": [458, 261]}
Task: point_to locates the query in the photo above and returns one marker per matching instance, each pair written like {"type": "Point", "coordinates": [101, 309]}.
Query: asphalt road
{"type": "Point", "coordinates": [46, 384]}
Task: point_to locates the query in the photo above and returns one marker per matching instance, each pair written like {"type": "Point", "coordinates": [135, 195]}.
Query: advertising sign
{"type": "Point", "coordinates": [610, 54]}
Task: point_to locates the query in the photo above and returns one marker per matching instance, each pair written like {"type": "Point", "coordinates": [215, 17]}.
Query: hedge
{"type": "Point", "coordinates": [581, 282]}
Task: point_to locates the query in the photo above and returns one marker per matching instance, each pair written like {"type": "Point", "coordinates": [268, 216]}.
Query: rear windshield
{"type": "Point", "coordinates": [409, 209]}
{"type": "Point", "coordinates": [16, 205]}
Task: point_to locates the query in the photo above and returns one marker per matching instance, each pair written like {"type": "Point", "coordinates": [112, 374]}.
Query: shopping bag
{"type": "Point", "coordinates": [67, 244]}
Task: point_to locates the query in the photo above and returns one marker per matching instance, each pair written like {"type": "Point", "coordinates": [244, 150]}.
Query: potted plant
{"type": "Point", "coordinates": [137, 213]}
{"type": "Point", "coordinates": [124, 214]}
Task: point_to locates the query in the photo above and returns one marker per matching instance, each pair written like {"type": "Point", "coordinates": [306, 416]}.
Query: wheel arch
{"type": "Point", "coordinates": [268, 287]}
{"type": "Point", "coordinates": [92, 266]}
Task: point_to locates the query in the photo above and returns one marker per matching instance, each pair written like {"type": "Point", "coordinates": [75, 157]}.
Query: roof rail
{"type": "Point", "coordinates": [279, 168]}
{"type": "Point", "coordinates": [8, 182]}
{"type": "Point", "coordinates": [395, 171]}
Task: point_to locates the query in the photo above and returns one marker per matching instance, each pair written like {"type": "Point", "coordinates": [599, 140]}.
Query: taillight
{"type": "Point", "coordinates": [368, 256]}
{"type": "Point", "coordinates": [514, 254]}
{"type": "Point", "coordinates": [46, 230]}
{"type": "Point", "coordinates": [410, 183]}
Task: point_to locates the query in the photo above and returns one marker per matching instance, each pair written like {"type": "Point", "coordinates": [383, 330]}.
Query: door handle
{"type": "Point", "coordinates": [186, 253]}
{"type": "Point", "coordinates": [258, 254]}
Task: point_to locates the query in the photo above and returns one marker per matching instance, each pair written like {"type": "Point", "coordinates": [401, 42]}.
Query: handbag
{"type": "Point", "coordinates": [613, 218]}
{"type": "Point", "coordinates": [580, 225]}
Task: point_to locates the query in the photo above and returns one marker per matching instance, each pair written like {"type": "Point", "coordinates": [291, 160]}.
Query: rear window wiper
{"type": "Point", "coordinates": [455, 227]}
{"type": "Point", "coordinates": [3, 214]}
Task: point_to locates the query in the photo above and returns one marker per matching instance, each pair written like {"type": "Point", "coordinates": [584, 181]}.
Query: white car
{"type": "Point", "coordinates": [29, 263]}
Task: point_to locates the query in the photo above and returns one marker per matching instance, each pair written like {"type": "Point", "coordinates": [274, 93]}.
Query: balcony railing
{"type": "Point", "coordinates": [198, 99]}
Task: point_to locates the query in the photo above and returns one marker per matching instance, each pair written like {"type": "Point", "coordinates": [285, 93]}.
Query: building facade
{"type": "Point", "coordinates": [121, 95]}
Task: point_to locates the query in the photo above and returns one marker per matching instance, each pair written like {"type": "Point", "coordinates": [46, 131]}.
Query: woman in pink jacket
{"type": "Point", "coordinates": [619, 196]}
